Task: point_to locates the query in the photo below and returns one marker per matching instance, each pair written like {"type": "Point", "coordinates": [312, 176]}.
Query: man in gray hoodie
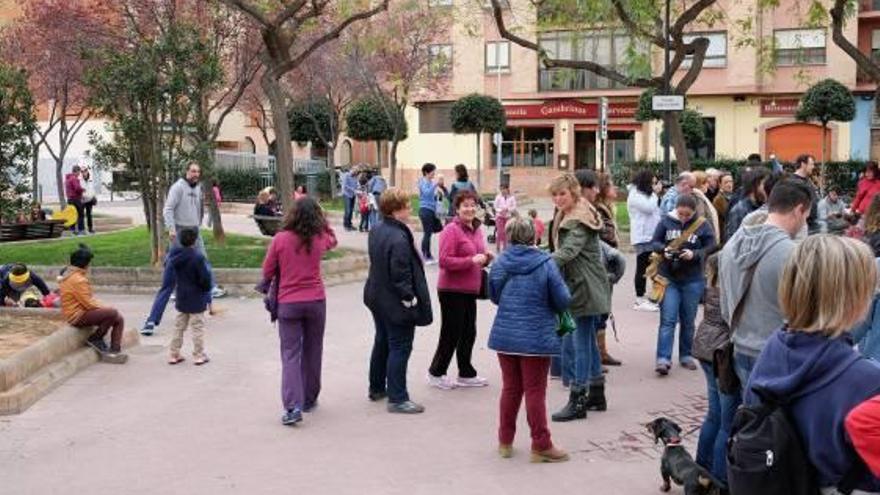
{"type": "Point", "coordinates": [749, 270]}
{"type": "Point", "coordinates": [184, 209]}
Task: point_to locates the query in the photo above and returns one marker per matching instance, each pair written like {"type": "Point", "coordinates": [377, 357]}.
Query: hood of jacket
{"type": "Point", "coordinates": [797, 363]}
{"type": "Point", "coordinates": [520, 260]}
{"type": "Point", "coordinates": [747, 248]}
{"type": "Point", "coordinates": [179, 257]}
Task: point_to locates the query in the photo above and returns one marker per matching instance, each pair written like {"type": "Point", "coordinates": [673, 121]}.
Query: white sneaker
{"type": "Point", "coordinates": [645, 305]}
{"type": "Point", "coordinates": [441, 382]}
{"type": "Point", "coordinates": [477, 381]}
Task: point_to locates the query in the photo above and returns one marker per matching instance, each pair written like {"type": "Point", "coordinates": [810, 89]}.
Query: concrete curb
{"type": "Point", "coordinates": [36, 370]}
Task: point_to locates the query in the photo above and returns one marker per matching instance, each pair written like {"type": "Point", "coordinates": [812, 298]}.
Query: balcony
{"type": "Point", "coordinates": [869, 9]}
{"type": "Point", "coordinates": [573, 80]}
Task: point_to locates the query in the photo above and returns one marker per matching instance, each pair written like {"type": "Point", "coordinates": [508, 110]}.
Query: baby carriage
{"type": "Point", "coordinates": [489, 221]}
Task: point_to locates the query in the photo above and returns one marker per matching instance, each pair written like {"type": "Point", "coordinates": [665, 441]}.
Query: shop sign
{"type": "Point", "coordinates": [779, 107]}
{"type": "Point", "coordinates": [568, 109]}
{"type": "Point", "coordinates": [661, 103]}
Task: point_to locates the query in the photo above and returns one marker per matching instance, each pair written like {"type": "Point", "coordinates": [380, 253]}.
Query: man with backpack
{"type": "Point", "coordinates": [749, 270]}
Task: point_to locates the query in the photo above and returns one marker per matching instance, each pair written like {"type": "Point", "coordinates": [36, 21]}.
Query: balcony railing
{"type": "Point", "coordinates": [573, 80]}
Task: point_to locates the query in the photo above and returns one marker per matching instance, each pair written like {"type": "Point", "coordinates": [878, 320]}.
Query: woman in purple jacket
{"type": "Point", "coordinates": [463, 255]}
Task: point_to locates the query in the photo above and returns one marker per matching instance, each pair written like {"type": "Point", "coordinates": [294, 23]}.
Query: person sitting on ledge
{"type": "Point", "coordinates": [81, 309]}
{"type": "Point", "coordinates": [15, 279]}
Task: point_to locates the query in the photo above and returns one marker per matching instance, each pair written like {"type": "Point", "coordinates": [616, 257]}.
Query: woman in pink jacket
{"type": "Point", "coordinates": [293, 261]}
{"type": "Point", "coordinates": [463, 255]}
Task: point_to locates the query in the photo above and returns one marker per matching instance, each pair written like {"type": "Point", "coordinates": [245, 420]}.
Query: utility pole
{"type": "Point", "coordinates": [498, 136]}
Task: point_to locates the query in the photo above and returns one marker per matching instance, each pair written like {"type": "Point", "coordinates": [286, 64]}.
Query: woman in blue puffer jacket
{"type": "Point", "coordinates": [529, 291]}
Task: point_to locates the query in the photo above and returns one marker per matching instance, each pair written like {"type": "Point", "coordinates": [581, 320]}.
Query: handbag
{"type": "Point", "coordinates": [565, 323]}
{"type": "Point", "coordinates": [659, 282]}
{"type": "Point", "coordinates": [725, 372]}
{"type": "Point", "coordinates": [484, 284]}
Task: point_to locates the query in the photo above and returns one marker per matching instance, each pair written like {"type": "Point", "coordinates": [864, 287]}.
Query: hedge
{"type": "Point", "coordinates": [242, 185]}
{"type": "Point", "coordinates": [844, 175]}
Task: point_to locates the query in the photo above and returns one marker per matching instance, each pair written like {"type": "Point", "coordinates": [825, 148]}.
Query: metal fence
{"type": "Point", "coordinates": [231, 160]}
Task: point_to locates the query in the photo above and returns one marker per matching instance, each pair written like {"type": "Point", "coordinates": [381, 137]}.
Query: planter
{"type": "Point", "coordinates": [34, 371]}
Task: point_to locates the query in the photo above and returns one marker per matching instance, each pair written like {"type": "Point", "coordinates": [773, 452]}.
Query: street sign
{"type": "Point", "coordinates": [660, 103]}
{"type": "Point", "coordinates": [603, 118]}
{"type": "Point", "coordinates": [496, 138]}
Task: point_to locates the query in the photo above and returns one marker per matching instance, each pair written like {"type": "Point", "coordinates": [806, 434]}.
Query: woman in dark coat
{"type": "Point", "coordinates": [397, 294]}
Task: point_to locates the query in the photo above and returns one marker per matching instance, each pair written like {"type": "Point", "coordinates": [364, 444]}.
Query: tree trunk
{"type": "Point", "coordinates": [393, 161]}
{"type": "Point", "coordinates": [283, 148]}
{"type": "Point", "coordinates": [35, 179]}
{"type": "Point", "coordinates": [331, 169]}
{"type": "Point", "coordinates": [676, 137]}
{"type": "Point", "coordinates": [479, 170]}
{"type": "Point", "coordinates": [824, 157]}
{"type": "Point", "coordinates": [148, 213]}
{"type": "Point", "coordinates": [59, 182]}
{"type": "Point", "coordinates": [216, 218]}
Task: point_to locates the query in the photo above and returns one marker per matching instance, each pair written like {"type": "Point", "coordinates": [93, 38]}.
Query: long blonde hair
{"type": "Point", "coordinates": [827, 284]}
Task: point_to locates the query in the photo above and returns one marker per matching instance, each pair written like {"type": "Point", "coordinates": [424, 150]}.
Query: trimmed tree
{"type": "Point", "coordinates": [476, 114]}
{"type": "Point", "coordinates": [367, 120]}
{"type": "Point", "coordinates": [824, 102]}
{"type": "Point", "coordinates": [17, 124]}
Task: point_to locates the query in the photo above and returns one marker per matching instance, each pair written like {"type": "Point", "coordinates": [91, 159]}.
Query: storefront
{"type": "Point", "coordinates": [564, 134]}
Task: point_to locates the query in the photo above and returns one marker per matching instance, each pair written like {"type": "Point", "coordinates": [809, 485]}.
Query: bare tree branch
{"type": "Point", "coordinates": [863, 61]}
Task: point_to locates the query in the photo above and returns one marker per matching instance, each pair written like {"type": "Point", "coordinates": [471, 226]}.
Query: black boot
{"type": "Point", "coordinates": [596, 398]}
{"type": "Point", "coordinates": [576, 407]}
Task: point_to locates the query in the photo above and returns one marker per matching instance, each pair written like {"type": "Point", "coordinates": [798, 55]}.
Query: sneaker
{"type": "Point", "coordinates": [377, 396]}
{"type": "Point", "coordinates": [292, 417]}
{"type": "Point", "coordinates": [662, 369]}
{"type": "Point", "coordinates": [114, 357]}
{"type": "Point", "coordinates": [477, 381]}
{"type": "Point", "coordinates": [645, 305]}
{"type": "Point", "coordinates": [689, 364]}
{"type": "Point", "coordinates": [505, 451]}
{"type": "Point", "coordinates": [441, 382]}
{"type": "Point", "coordinates": [98, 345]}
{"type": "Point", "coordinates": [148, 329]}
{"type": "Point", "coordinates": [430, 261]}
{"type": "Point", "coordinates": [201, 359]}
{"type": "Point", "coordinates": [405, 407]}
{"type": "Point", "coordinates": [217, 292]}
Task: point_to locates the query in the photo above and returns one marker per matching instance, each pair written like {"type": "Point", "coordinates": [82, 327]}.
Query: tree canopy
{"type": "Point", "coordinates": [312, 121]}
{"type": "Point", "coordinates": [827, 101]}
{"type": "Point", "coordinates": [367, 120]}
{"type": "Point", "coordinates": [476, 113]}
{"type": "Point", "coordinates": [16, 126]}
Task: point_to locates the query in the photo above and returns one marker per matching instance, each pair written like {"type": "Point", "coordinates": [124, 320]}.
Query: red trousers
{"type": "Point", "coordinates": [524, 375]}
{"type": "Point", "coordinates": [104, 319]}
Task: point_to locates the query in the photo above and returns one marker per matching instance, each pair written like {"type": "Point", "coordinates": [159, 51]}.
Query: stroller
{"type": "Point", "coordinates": [489, 221]}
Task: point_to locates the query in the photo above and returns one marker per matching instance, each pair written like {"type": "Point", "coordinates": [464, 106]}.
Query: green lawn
{"type": "Point", "coordinates": [131, 248]}
{"type": "Point", "coordinates": [622, 215]}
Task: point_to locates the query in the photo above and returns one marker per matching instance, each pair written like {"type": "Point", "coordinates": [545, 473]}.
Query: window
{"type": "Point", "coordinates": [440, 57]}
{"type": "Point", "coordinates": [604, 47]}
{"type": "Point", "coordinates": [716, 54]}
{"type": "Point", "coordinates": [526, 147]}
{"type": "Point", "coordinates": [434, 118]}
{"type": "Point", "coordinates": [875, 45]}
{"type": "Point", "coordinates": [621, 147]}
{"type": "Point", "coordinates": [800, 47]}
{"type": "Point", "coordinates": [498, 56]}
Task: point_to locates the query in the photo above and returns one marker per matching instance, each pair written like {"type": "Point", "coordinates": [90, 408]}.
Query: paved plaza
{"type": "Point", "coordinates": [147, 427]}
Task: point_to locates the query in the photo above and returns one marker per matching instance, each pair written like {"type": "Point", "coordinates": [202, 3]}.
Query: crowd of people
{"type": "Point", "coordinates": [791, 312]}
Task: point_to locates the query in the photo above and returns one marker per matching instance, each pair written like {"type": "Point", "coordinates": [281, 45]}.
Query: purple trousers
{"type": "Point", "coordinates": [301, 329]}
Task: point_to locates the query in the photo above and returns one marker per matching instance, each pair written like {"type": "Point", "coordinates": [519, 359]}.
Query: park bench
{"type": "Point", "coordinates": [268, 225]}
{"type": "Point", "coordinates": [47, 229]}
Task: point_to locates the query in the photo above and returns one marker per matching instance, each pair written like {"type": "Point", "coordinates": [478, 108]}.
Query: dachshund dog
{"type": "Point", "coordinates": [677, 464]}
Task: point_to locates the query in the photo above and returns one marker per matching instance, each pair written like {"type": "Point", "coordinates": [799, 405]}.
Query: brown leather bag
{"type": "Point", "coordinates": [652, 273]}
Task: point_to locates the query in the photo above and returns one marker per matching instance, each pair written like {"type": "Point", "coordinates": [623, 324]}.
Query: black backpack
{"type": "Point", "coordinates": [765, 455]}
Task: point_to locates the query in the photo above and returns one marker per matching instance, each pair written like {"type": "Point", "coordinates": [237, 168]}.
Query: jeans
{"type": "Point", "coordinates": [87, 213]}
{"type": "Point", "coordinates": [458, 332]}
{"type": "Point", "coordinates": [301, 330]}
{"type": "Point", "coordinates": [743, 365]}
{"type": "Point", "coordinates": [712, 446]}
{"type": "Point", "coordinates": [374, 213]}
{"type": "Point", "coordinates": [348, 203]}
{"type": "Point", "coordinates": [429, 219]}
{"type": "Point", "coordinates": [581, 363]}
{"type": "Point", "coordinates": [391, 350]}
{"type": "Point", "coordinates": [80, 216]}
{"type": "Point", "coordinates": [679, 306]}
{"type": "Point", "coordinates": [524, 376]}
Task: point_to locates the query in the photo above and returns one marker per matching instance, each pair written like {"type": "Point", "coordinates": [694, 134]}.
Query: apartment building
{"type": "Point", "coordinates": [553, 114]}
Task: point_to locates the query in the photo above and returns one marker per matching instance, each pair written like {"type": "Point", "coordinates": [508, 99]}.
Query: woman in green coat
{"type": "Point", "coordinates": [575, 235]}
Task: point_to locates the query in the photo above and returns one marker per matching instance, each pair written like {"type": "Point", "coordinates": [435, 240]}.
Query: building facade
{"type": "Point", "coordinates": [553, 114]}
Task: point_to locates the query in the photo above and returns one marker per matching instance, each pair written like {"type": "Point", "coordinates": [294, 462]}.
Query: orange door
{"type": "Point", "coordinates": [790, 140]}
